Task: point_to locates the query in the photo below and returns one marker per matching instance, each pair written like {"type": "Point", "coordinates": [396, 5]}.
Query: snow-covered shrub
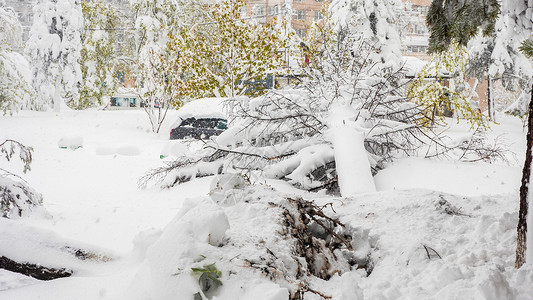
{"type": "Point", "coordinates": [17, 199]}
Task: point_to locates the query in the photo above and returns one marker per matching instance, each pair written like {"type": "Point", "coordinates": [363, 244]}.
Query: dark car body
{"type": "Point", "coordinates": [198, 128]}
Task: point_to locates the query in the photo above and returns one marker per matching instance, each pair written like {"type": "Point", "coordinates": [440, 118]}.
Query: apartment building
{"type": "Point", "coordinates": [415, 33]}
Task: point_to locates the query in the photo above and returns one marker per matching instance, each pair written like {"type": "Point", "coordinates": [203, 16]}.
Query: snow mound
{"type": "Point", "coordinates": [72, 142]}
{"type": "Point", "coordinates": [126, 150]}
{"type": "Point", "coordinates": [260, 247]}
{"type": "Point", "coordinates": [34, 245]}
{"type": "Point", "coordinates": [439, 246]}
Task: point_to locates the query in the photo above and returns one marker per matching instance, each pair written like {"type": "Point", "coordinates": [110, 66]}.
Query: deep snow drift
{"type": "Point", "coordinates": [434, 229]}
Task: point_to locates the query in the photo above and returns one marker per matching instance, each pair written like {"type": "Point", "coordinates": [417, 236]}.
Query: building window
{"type": "Point", "coordinates": [259, 11]}
{"type": "Point", "coordinates": [301, 32]}
{"type": "Point", "coordinates": [318, 16]}
{"type": "Point", "coordinates": [273, 10]}
{"type": "Point", "coordinates": [300, 14]}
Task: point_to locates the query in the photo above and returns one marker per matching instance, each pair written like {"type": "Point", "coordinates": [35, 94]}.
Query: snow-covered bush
{"type": "Point", "coordinates": [17, 199]}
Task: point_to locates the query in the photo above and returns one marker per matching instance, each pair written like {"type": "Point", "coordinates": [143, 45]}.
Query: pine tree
{"type": "Point", "coordinates": [497, 57]}
{"type": "Point", "coordinates": [524, 244]}
{"type": "Point", "coordinates": [54, 49]}
{"type": "Point", "coordinates": [458, 21]}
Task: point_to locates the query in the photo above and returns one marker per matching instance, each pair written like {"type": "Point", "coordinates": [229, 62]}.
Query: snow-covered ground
{"type": "Point", "coordinates": [435, 229]}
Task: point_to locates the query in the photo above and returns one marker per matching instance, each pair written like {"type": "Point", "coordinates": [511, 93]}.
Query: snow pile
{"type": "Point", "coordinates": [406, 245]}
{"type": "Point", "coordinates": [71, 142]}
{"type": "Point", "coordinates": [174, 148]}
{"type": "Point", "coordinates": [255, 237]}
{"type": "Point", "coordinates": [429, 246]}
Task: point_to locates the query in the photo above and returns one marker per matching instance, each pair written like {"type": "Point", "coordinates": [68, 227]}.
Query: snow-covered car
{"type": "Point", "coordinates": [202, 118]}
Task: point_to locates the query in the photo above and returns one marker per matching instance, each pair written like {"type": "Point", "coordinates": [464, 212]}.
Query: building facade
{"type": "Point", "coordinates": [303, 12]}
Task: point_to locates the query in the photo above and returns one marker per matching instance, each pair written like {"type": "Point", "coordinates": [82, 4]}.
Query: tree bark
{"type": "Point", "coordinates": [524, 191]}
{"type": "Point", "coordinates": [490, 98]}
{"type": "Point", "coordinates": [35, 271]}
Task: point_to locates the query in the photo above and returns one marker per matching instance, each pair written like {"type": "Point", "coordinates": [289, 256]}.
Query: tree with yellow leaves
{"type": "Point", "coordinates": [435, 94]}
{"type": "Point", "coordinates": [228, 54]}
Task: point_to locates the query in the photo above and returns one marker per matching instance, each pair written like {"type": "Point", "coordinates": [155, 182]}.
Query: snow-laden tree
{"type": "Point", "coordinates": [374, 24]}
{"type": "Point", "coordinates": [218, 53]}
{"type": "Point", "coordinates": [496, 57]}
{"type": "Point", "coordinates": [99, 55]}
{"type": "Point", "coordinates": [333, 130]}
{"type": "Point", "coordinates": [459, 21]}
{"type": "Point", "coordinates": [520, 14]}
{"type": "Point", "coordinates": [158, 67]}
{"type": "Point", "coordinates": [54, 50]}
{"type": "Point", "coordinates": [15, 88]}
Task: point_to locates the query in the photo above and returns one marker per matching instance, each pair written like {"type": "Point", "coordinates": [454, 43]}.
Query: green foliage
{"type": "Point", "coordinates": [210, 271]}
{"type": "Point", "coordinates": [527, 48]}
{"type": "Point", "coordinates": [226, 56]}
{"type": "Point", "coordinates": [434, 94]}
{"type": "Point", "coordinates": [208, 279]}
{"type": "Point", "coordinates": [458, 21]}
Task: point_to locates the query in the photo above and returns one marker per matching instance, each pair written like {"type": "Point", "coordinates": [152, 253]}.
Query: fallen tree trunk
{"type": "Point", "coordinates": [32, 270]}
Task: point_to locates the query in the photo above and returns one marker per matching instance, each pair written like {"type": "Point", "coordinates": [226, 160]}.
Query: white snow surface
{"type": "Point", "coordinates": [434, 229]}
{"type": "Point", "coordinates": [202, 108]}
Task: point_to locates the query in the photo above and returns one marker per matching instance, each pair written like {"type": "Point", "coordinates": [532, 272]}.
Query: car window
{"type": "Point", "coordinates": [206, 123]}
{"type": "Point", "coordinates": [188, 122]}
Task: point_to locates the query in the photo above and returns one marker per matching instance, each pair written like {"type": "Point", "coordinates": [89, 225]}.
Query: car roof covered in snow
{"type": "Point", "coordinates": [202, 108]}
